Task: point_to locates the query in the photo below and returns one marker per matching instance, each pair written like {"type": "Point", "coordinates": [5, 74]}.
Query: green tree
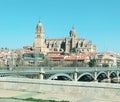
{"type": "Point", "coordinates": [92, 63]}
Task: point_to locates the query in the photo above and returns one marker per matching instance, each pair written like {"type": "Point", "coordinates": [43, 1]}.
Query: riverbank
{"type": "Point", "coordinates": [59, 90]}
{"type": "Point", "coordinates": [12, 99]}
{"type": "Point", "coordinates": [5, 96]}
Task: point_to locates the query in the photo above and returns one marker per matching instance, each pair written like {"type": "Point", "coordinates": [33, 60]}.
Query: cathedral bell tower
{"type": "Point", "coordinates": [73, 36]}
{"type": "Point", "coordinates": [39, 43]}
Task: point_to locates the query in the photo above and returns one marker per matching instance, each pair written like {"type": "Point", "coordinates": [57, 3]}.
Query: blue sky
{"type": "Point", "coordinates": [94, 20]}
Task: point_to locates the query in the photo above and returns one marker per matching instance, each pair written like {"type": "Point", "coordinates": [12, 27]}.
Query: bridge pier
{"type": "Point", "coordinates": [95, 75]}
{"type": "Point", "coordinates": [75, 75]}
{"type": "Point", "coordinates": [108, 76]}
{"type": "Point", "coordinates": [41, 73]}
{"type": "Point", "coordinates": [118, 77]}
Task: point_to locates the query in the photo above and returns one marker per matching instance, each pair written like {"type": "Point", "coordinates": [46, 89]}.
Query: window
{"type": "Point", "coordinates": [81, 44]}
{"type": "Point", "coordinates": [85, 45]}
{"type": "Point", "coordinates": [38, 36]}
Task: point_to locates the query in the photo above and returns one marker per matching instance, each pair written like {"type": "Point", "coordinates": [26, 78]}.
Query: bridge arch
{"type": "Point", "coordinates": [101, 72]}
{"type": "Point", "coordinates": [113, 74]}
{"type": "Point", "coordinates": [85, 74]}
{"type": "Point", "coordinates": [60, 76]}
{"type": "Point", "coordinates": [101, 75]}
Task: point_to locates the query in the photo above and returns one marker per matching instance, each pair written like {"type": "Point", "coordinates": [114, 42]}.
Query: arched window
{"type": "Point", "coordinates": [81, 44]}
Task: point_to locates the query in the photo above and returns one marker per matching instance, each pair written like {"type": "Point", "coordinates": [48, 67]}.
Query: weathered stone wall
{"type": "Point", "coordinates": [82, 89]}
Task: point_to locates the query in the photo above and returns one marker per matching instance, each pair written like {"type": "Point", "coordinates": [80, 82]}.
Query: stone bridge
{"type": "Point", "coordinates": [80, 74]}
{"type": "Point", "coordinates": [65, 73]}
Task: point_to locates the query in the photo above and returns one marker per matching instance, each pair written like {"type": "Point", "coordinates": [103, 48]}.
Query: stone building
{"type": "Point", "coordinates": [39, 43]}
{"type": "Point", "coordinates": [108, 59]}
{"type": "Point", "coordinates": [69, 44]}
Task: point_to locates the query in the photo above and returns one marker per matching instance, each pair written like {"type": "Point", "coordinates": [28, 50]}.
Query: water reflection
{"type": "Point", "coordinates": [115, 80]}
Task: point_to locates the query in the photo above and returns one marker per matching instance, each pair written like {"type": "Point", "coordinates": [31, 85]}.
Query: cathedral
{"type": "Point", "coordinates": [67, 45]}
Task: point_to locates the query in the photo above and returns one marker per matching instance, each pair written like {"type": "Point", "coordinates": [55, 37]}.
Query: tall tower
{"type": "Point", "coordinates": [73, 36]}
{"type": "Point", "coordinates": [39, 44]}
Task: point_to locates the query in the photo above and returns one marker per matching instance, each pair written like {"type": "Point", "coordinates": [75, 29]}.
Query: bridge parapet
{"type": "Point", "coordinates": [71, 89]}
{"type": "Point", "coordinates": [74, 73]}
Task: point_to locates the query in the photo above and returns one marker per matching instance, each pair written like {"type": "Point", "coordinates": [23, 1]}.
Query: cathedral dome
{"type": "Point", "coordinates": [73, 32]}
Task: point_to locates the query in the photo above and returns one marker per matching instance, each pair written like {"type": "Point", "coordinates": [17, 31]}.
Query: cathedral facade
{"type": "Point", "coordinates": [69, 44]}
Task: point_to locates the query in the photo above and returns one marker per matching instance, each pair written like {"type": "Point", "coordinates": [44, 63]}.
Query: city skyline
{"type": "Point", "coordinates": [97, 21]}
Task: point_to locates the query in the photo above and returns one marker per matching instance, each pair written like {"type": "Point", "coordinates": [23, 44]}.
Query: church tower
{"type": "Point", "coordinates": [73, 36]}
{"type": "Point", "coordinates": [39, 44]}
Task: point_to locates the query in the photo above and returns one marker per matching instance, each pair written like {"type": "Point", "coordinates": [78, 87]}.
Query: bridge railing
{"type": "Point", "coordinates": [37, 68]}
{"type": "Point", "coordinates": [4, 67]}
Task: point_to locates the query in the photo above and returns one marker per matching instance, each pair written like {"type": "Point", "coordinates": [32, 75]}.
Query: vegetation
{"type": "Point", "coordinates": [92, 63]}
{"type": "Point", "coordinates": [38, 100]}
{"type": "Point", "coordinates": [62, 63]}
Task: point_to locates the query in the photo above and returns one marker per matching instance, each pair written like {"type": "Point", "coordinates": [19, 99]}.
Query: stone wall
{"type": "Point", "coordinates": [82, 89]}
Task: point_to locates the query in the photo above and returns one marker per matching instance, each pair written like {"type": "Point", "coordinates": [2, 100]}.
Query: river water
{"type": "Point", "coordinates": [115, 80]}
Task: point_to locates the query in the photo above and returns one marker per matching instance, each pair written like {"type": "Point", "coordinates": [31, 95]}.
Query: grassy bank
{"type": "Point", "coordinates": [37, 100]}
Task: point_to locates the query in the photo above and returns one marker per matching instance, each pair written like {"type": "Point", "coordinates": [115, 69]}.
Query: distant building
{"type": "Point", "coordinates": [33, 59]}
{"type": "Point", "coordinates": [69, 44]}
{"type": "Point", "coordinates": [108, 59]}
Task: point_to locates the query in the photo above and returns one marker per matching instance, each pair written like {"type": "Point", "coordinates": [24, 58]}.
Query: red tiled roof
{"type": "Point", "coordinates": [57, 57]}
{"type": "Point", "coordinates": [76, 57]}
{"type": "Point", "coordinates": [108, 59]}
